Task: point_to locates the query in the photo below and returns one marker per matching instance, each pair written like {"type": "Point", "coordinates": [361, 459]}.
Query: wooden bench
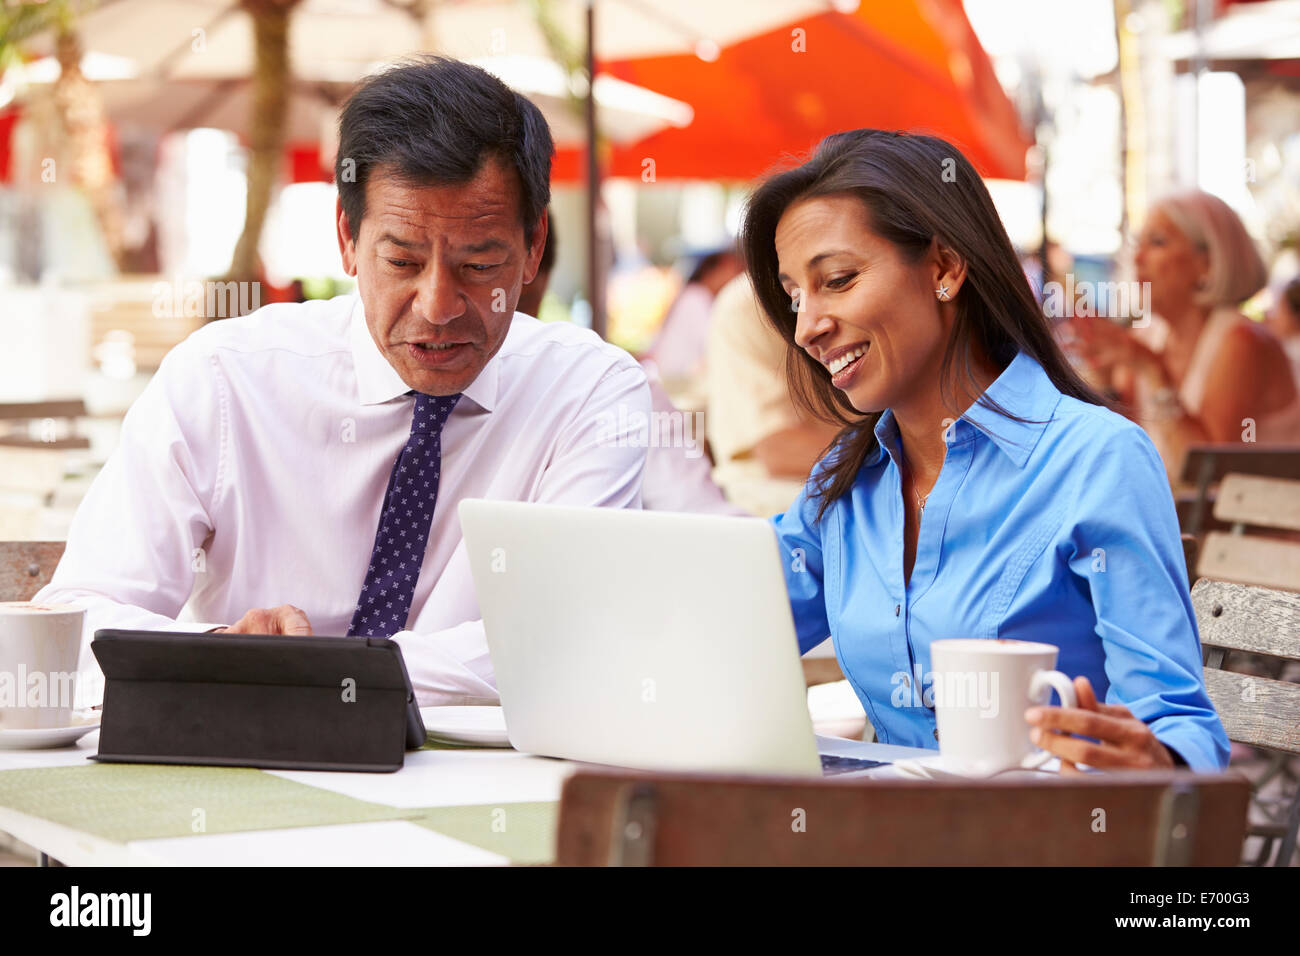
{"type": "Point", "coordinates": [1256, 710]}
{"type": "Point", "coordinates": [1174, 818]}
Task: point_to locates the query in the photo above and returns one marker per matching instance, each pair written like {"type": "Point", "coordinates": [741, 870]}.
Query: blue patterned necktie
{"type": "Point", "coordinates": [404, 523]}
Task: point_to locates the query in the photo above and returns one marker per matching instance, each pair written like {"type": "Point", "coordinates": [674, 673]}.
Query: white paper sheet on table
{"type": "Point", "coordinates": [384, 843]}
{"type": "Point", "coordinates": [449, 778]}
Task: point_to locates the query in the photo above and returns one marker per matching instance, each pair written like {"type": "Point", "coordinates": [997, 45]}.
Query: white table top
{"type": "Point", "coordinates": [430, 778]}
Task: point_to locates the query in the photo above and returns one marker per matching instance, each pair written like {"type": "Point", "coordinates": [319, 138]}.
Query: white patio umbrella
{"type": "Point", "coordinates": [334, 41]}
{"type": "Point", "coordinates": [341, 40]}
{"type": "Point", "coordinates": [628, 112]}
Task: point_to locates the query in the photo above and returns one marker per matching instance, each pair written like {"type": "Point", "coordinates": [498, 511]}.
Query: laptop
{"type": "Point", "coordinates": [651, 640]}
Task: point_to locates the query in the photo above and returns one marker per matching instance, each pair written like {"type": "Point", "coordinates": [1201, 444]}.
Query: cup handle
{"type": "Point", "coordinates": [1044, 681]}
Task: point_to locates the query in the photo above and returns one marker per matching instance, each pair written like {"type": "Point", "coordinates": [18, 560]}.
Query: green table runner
{"type": "Point", "coordinates": [521, 832]}
{"type": "Point", "coordinates": [125, 802]}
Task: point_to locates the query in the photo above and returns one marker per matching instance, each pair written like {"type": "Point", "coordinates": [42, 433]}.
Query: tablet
{"type": "Point", "coordinates": [251, 700]}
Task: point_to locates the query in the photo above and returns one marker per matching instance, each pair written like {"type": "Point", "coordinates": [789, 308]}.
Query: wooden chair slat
{"type": "Point", "coordinates": [1248, 559]}
{"type": "Point", "coordinates": [1256, 710]}
{"type": "Point", "coordinates": [1266, 502]}
{"type": "Point", "coordinates": [26, 567]}
{"type": "Point", "coordinates": [1216, 460]}
{"type": "Point", "coordinates": [72, 443]}
{"type": "Point", "coordinates": [1237, 617]}
{"type": "Point", "coordinates": [1052, 821]}
{"type": "Point", "coordinates": [66, 408]}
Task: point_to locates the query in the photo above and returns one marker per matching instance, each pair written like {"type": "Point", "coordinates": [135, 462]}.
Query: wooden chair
{"type": "Point", "coordinates": [26, 567]}
{"type": "Point", "coordinates": [1191, 548]}
{"type": "Point", "coordinates": [1255, 710]}
{"type": "Point", "coordinates": [1268, 503]}
{"type": "Point", "coordinates": [1171, 818]}
{"type": "Point", "coordinates": [1209, 463]}
{"type": "Point", "coordinates": [126, 304]}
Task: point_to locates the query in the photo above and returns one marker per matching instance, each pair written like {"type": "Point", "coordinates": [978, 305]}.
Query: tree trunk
{"type": "Point", "coordinates": [271, 78]}
{"type": "Point", "coordinates": [81, 112]}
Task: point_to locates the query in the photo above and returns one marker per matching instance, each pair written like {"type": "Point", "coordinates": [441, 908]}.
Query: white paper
{"type": "Point", "coordinates": [385, 843]}
{"type": "Point", "coordinates": [449, 778]}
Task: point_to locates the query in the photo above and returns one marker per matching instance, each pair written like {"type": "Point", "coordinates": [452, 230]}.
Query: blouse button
{"type": "Point", "coordinates": [897, 608]}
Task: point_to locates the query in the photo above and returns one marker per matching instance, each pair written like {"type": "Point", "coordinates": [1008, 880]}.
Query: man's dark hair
{"type": "Point", "coordinates": [435, 121]}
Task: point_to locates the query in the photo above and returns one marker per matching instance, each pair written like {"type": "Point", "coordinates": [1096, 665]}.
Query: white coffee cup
{"type": "Point", "coordinates": [39, 647]}
{"type": "Point", "coordinates": [981, 691]}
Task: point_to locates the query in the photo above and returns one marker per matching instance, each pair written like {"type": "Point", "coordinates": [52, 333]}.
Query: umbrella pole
{"type": "Point", "coordinates": [595, 290]}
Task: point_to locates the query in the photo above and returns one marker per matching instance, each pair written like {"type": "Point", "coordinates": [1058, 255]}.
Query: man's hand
{"type": "Point", "coordinates": [285, 619]}
{"type": "Point", "coordinates": [1122, 739]}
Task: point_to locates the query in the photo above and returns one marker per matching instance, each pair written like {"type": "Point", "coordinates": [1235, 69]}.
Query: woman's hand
{"type": "Point", "coordinates": [1121, 739]}
{"type": "Point", "coordinates": [1106, 347]}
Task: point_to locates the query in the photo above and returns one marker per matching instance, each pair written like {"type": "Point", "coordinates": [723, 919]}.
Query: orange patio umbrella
{"type": "Point", "coordinates": [910, 65]}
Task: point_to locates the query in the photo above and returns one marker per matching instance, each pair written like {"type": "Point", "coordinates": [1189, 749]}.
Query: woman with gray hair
{"type": "Point", "coordinates": [1207, 373]}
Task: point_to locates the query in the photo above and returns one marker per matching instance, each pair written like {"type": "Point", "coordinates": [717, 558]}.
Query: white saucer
{"type": "Point", "coordinates": [934, 767]}
{"type": "Point", "coordinates": [480, 726]}
{"type": "Point", "coordinates": [46, 738]}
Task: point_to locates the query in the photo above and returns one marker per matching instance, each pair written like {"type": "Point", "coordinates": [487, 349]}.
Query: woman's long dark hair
{"type": "Point", "coordinates": [915, 189]}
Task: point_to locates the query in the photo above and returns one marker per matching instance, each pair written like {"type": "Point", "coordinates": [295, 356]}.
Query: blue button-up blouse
{"type": "Point", "coordinates": [1061, 529]}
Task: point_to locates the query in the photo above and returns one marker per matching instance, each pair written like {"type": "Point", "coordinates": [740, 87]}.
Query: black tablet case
{"type": "Point", "coordinates": [269, 701]}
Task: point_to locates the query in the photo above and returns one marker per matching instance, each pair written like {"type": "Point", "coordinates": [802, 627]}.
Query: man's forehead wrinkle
{"type": "Point", "coordinates": [411, 229]}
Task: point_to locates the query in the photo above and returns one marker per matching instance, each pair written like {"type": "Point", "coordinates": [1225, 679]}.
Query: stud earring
{"type": "Point", "coordinates": [942, 293]}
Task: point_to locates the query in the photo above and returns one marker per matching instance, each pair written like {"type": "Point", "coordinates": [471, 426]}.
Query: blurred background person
{"type": "Point", "coordinates": [677, 470]}
{"type": "Point", "coordinates": [1203, 372]}
{"type": "Point", "coordinates": [763, 446]}
{"type": "Point", "coordinates": [679, 351]}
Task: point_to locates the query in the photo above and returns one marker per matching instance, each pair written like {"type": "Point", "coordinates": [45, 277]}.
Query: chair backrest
{"type": "Point", "coordinates": [1271, 503]}
{"type": "Point", "coordinates": [1206, 464]}
{"type": "Point", "coordinates": [26, 567]}
{"type": "Point", "coordinates": [23, 413]}
{"type": "Point", "coordinates": [1191, 548]}
{"type": "Point", "coordinates": [1235, 617]}
{"type": "Point", "coordinates": [1175, 818]}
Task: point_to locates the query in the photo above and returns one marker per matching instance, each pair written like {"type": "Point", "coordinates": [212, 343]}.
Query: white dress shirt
{"type": "Point", "coordinates": [252, 471]}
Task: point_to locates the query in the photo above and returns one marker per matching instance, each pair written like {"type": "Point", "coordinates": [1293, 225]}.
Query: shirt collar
{"type": "Point", "coordinates": [378, 381]}
{"type": "Point", "coordinates": [1023, 389]}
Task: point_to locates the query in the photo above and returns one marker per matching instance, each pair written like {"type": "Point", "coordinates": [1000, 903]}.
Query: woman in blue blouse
{"type": "Point", "coordinates": [978, 487]}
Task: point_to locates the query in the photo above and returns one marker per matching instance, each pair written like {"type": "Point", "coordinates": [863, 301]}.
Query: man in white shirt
{"type": "Point", "coordinates": [297, 470]}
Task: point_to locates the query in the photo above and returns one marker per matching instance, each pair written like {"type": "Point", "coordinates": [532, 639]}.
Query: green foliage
{"type": "Point", "coordinates": [21, 20]}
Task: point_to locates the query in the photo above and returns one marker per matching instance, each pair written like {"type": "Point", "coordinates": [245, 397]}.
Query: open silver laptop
{"type": "Point", "coordinates": [652, 640]}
